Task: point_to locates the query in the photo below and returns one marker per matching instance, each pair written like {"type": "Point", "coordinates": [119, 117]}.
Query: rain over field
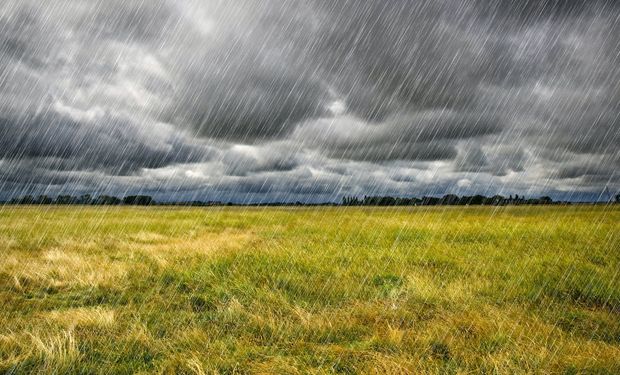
{"type": "Point", "coordinates": [309, 186]}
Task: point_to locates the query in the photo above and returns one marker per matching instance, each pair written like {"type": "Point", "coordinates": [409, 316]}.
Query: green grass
{"type": "Point", "coordinates": [317, 290]}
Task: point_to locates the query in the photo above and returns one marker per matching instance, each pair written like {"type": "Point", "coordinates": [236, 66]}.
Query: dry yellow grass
{"type": "Point", "coordinates": [310, 291]}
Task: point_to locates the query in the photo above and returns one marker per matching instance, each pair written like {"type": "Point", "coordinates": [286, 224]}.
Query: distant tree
{"type": "Point", "coordinates": [430, 201]}
{"type": "Point", "coordinates": [138, 200]}
{"type": "Point", "coordinates": [497, 200]}
{"type": "Point", "coordinates": [369, 201]}
{"type": "Point", "coordinates": [477, 199]}
{"type": "Point", "coordinates": [85, 199]}
{"type": "Point", "coordinates": [26, 199]}
{"type": "Point", "coordinates": [64, 199]}
{"type": "Point", "coordinates": [106, 200]}
{"type": "Point", "coordinates": [618, 198]}
{"type": "Point", "coordinates": [43, 199]}
{"type": "Point", "coordinates": [545, 200]}
{"type": "Point", "coordinates": [351, 201]}
{"type": "Point", "coordinates": [449, 199]}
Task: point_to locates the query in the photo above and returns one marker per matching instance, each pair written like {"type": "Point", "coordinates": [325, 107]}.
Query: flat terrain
{"type": "Point", "coordinates": [310, 290]}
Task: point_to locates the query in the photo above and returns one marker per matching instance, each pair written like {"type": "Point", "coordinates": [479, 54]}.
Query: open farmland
{"type": "Point", "coordinates": [310, 290]}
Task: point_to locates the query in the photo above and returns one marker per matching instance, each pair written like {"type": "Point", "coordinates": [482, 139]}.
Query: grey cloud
{"type": "Point", "coordinates": [537, 10]}
{"type": "Point", "coordinates": [381, 59]}
{"type": "Point", "coordinates": [498, 161]}
{"type": "Point", "coordinates": [113, 144]}
{"type": "Point", "coordinates": [403, 55]}
{"type": "Point", "coordinates": [26, 38]}
{"type": "Point", "coordinates": [472, 160]}
{"type": "Point", "coordinates": [430, 135]}
{"type": "Point", "coordinates": [600, 169]}
{"type": "Point", "coordinates": [127, 20]}
{"type": "Point", "coordinates": [487, 87]}
{"type": "Point", "coordinates": [285, 185]}
{"type": "Point", "coordinates": [269, 158]}
{"type": "Point", "coordinates": [249, 104]}
{"type": "Point", "coordinates": [576, 171]}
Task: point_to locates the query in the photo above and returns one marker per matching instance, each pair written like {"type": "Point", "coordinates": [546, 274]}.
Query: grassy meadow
{"type": "Point", "coordinates": [238, 290]}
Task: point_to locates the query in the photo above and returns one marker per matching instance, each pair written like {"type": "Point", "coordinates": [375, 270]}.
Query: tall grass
{"type": "Point", "coordinates": [310, 290]}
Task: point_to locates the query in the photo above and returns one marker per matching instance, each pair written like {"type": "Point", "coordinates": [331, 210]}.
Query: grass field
{"type": "Point", "coordinates": [316, 290]}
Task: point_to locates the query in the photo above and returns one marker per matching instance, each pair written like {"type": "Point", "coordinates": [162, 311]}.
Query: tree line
{"type": "Point", "coordinates": [85, 199]}
{"type": "Point", "coordinates": [446, 200]}
{"type": "Point", "coordinates": [146, 200]}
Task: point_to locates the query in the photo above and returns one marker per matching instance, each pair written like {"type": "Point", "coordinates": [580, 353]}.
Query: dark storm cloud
{"type": "Point", "coordinates": [111, 144]}
{"type": "Point", "coordinates": [429, 135]}
{"type": "Point", "coordinates": [497, 162]}
{"type": "Point", "coordinates": [207, 93]}
{"type": "Point", "coordinates": [531, 10]}
{"type": "Point", "coordinates": [25, 39]}
{"type": "Point", "coordinates": [247, 105]}
{"type": "Point", "coordinates": [296, 184]}
{"type": "Point", "coordinates": [389, 57]}
{"type": "Point", "coordinates": [380, 58]}
{"type": "Point", "coordinates": [577, 171]}
{"type": "Point", "coordinates": [132, 21]}
{"type": "Point", "coordinates": [242, 161]}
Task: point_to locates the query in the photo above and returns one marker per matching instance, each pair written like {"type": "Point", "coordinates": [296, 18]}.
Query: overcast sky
{"type": "Point", "coordinates": [309, 100]}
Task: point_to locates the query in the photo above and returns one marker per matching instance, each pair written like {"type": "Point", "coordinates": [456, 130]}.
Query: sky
{"type": "Point", "coordinates": [309, 100]}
